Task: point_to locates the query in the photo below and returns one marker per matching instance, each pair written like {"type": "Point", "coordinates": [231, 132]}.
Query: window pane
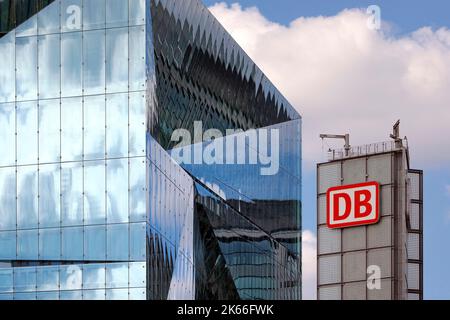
{"type": "Point", "coordinates": [49, 131]}
{"type": "Point", "coordinates": [117, 242]}
{"type": "Point", "coordinates": [8, 245]}
{"type": "Point", "coordinates": [117, 60]}
{"type": "Point", "coordinates": [117, 125]}
{"type": "Point", "coordinates": [137, 241]}
{"type": "Point", "coordinates": [137, 12]}
{"type": "Point", "coordinates": [70, 295]}
{"type": "Point", "coordinates": [137, 190]}
{"type": "Point", "coordinates": [137, 124]}
{"type": "Point", "coordinates": [26, 68]}
{"type": "Point", "coordinates": [27, 126]}
{"type": "Point", "coordinates": [47, 278]}
{"type": "Point", "coordinates": [94, 276]}
{"type": "Point", "coordinates": [71, 129]}
{"type": "Point", "coordinates": [72, 194]}
{"type": "Point", "coordinates": [72, 243]}
{"type": "Point", "coordinates": [94, 127]}
{"type": "Point", "coordinates": [27, 245]}
{"type": "Point", "coordinates": [137, 294]}
{"type": "Point", "coordinates": [49, 196]}
{"type": "Point", "coordinates": [49, 244]}
{"type": "Point", "coordinates": [94, 294]}
{"type": "Point", "coordinates": [117, 187]}
{"type": "Point", "coordinates": [49, 66]}
{"type": "Point", "coordinates": [6, 280]}
{"type": "Point", "coordinates": [137, 58]}
{"type": "Point", "coordinates": [47, 296]}
{"type": "Point", "coordinates": [117, 13]}
{"type": "Point", "coordinates": [117, 294]}
{"type": "Point", "coordinates": [71, 15]}
{"type": "Point", "coordinates": [94, 193]}
{"type": "Point", "coordinates": [24, 279]}
{"type": "Point", "coordinates": [94, 61]}
{"type": "Point", "coordinates": [25, 296]}
{"type": "Point", "coordinates": [94, 14]}
{"type": "Point", "coordinates": [95, 243]}
{"type": "Point", "coordinates": [71, 64]}
{"type": "Point", "coordinates": [48, 19]}
{"type": "Point", "coordinates": [27, 197]}
{"type": "Point", "coordinates": [8, 198]}
{"type": "Point", "coordinates": [137, 274]}
{"type": "Point", "coordinates": [70, 277]}
{"type": "Point", "coordinates": [27, 28]}
{"type": "Point", "coordinates": [117, 275]}
{"type": "Point", "coordinates": [8, 133]}
{"type": "Point", "coordinates": [7, 71]}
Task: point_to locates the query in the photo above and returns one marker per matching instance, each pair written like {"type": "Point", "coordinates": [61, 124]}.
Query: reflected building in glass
{"type": "Point", "coordinates": [93, 204]}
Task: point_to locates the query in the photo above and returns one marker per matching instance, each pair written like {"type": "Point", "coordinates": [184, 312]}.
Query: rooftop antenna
{"type": "Point", "coordinates": [345, 137]}
{"type": "Point", "coordinates": [396, 134]}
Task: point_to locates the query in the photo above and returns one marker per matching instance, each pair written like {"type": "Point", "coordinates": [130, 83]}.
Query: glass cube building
{"type": "Point", "coordinates": [93, 204]}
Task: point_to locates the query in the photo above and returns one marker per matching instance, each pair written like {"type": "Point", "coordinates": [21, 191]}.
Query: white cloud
{"type": "Point", "coordinates": [343, 77]}
{"type": "Point", "coordinates": [309, 265]}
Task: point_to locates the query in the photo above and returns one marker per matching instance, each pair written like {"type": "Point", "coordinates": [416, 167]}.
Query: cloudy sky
{"type": "Point", "coordinates": [342, 76]}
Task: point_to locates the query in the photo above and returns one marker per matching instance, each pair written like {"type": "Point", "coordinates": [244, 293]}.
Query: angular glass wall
{"type": "Point", "coordinates": [72, 179]}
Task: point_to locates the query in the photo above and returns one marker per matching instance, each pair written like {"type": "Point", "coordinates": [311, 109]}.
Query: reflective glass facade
{"type": "Point", "coordinates": [92, 204]}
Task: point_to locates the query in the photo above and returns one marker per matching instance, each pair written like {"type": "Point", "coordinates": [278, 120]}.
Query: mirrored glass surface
{"type": "Point", "coordinates": [95, 243]}
{"type": "Point", "coordinates": [71, 15]}
{"type": "Point", "coordinates": [48, 278]}
{"type": "Point", "coordinates": [25, 279]}
{"type": "Point", "coordinates": [94, 14]}
{"type": "Point", "coordinates": [8, 245]}
{"type": "Point", "coordinates": [50, 244]}
{"type": "Point", "coordinates": [94, 127]}
{"type": "Point", "coordinates": [116, 13]}
{"type": "Point", "coordinates": [27, 197]}
{"type": "Point", "coordinates": [117, 242]}
{"type": "Point", "coordinates": [137, 241]}
{"type": "Point", "coordinates": [71, 129]}
{"type": "Point", "coordinates": [49, 195]}
{"type": "Point", "coordinates": [116, 275]}
{"type": "Point", "coordinates": [27, 245]}
{"type": "Point", "coordinates": [26, 68]}
{"type": "Point", "coordinates": [27, 138]}
{"type": "Point", "coordinates": [71, 194]}
{"type": "Point", "coordinates": [49, 66]}
{"type": "Point", "coordinates": [117, 125]}
{"type": "Point", "coordinates": [137, 133]}
{"type": "Point", "coordinates": [94, 192]}
{"type": "Point", "coordinates": [72, 243]}
{"type": "Point", "coordinates": [70, 277]}
{"type": "Point", "coordinates": [8, 198]}
{"type": "Point", "coordinates": [7, 71]}
{"type": "Point", "coordinates": [117, 190]}
{"type": "Point", "coordinates": [94, 62]}
{"type": "Point", "coordinates": [48, 19]}
{"type": "Point", "coordinates": [137, 195]}
{"type": "Point", "coordinates": [71, 64]}
{"type": "Point", "coordinates": [94, 276]}
{"type": "Point", "coordinates": [6, 280]}
{"type": "Point", "coordinates": [116, 60]}
{"type": "Point", "coordinates": [49, 131]}
{"type": "Point", "coordinates": [137, 12]}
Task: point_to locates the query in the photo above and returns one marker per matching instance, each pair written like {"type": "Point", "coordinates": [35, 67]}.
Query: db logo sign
{"type": "Point", "coordinates": [353, 205]}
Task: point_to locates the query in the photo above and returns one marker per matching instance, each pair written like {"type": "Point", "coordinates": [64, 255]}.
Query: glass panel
{"type": "Point", "coordinates": [117, 187]}
{"type": "Point", "coordinates": [95, 243]}
{"type": "Point", "coordinates": [8, 245]}
{"type": "Point", "coordinates": [48, 19]}
{"type": "Point", "coordinates": [137, 294]}
{"type": "Point", "coordinates": [6, 280]}
{"type": "Point", "coordinates": [94, 276]}
{"type": "Point", "coordinates": [24, 279]}
{"type": "Point", "coordinates": [137, 274]}
{"type": "Point", "coordinates": [94, 193]}
{"type": "Point", "coordinates": [70, 295]}
{"type": "Point", "coordinates": [117, 275]}
{"type": "Point", "coordinates": [49, 66]}
{"type": "Point", "coordinates": [49, 244]}
{"type": "Point", "coordinates": [94, 14]}
{"type": "Point", "coordinates": [27, 28]}
{"type": "Point", "coordinates": [137, 190]}
{"type": "Point", "coordinates": [49, 131]}
{"type": "Point", "coordinates": [117, 242]}
{"type": "Point", "coordinates": [72, 194]}
{"type": "Point", "coordinates": [27, 245]}
{"type": "Point", "coordinates": [137, 58]}
{"type": "Point", "coordinates": [25, 296]}
{"type": "Point", "coordinates": [27, 197]}
{"type": "Point", "coordinates": [8, 198]}
{"type": "Point", "coordinates": [117, 13]}
{"type": "Point", "coordinates": [137, 241]}
{"type": "Point", "coordinates": [137, 124]}
{"type": "Point", "coordinates": [137, 12]}
{"type": "Point", "coordinates": [117, 125]}
{"type": "Point", "coordinates": [94, 127]}
{"type": "Point", "coordinates": [7, 71]}
{"type": "Point", "coordinates": [70, 277]}
{"type": "Point", "coordinates": [71, 129]}
{"type": "Point", "coordinates": [26, 68]}
{"type": "Point", "coordinates": [71, 64]}
{"type": "Point", "coordinates": [71, 15]}
{"type": "Point", "coordinates": [27, 126]}
{"type": "Point", "coordinates": [47, 278]}
{"type": "Point", "coordinates": [117, 294]}
{"type": "Point", "coordinates": [117, 60]}
{"type": "Point", "coordinates": [48, 296]}
{"type": "Point", "coordinates": [94, 62]}
{"type": "Point", "coordinates": [72, 243]}
{"type": "Point", "coordinates": [94, 294]}
{"type": "Point", "coordinates": [49, 196]}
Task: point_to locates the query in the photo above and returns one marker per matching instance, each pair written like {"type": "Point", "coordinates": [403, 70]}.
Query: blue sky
{"type": "Point", "coordinates": [405, 17]}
